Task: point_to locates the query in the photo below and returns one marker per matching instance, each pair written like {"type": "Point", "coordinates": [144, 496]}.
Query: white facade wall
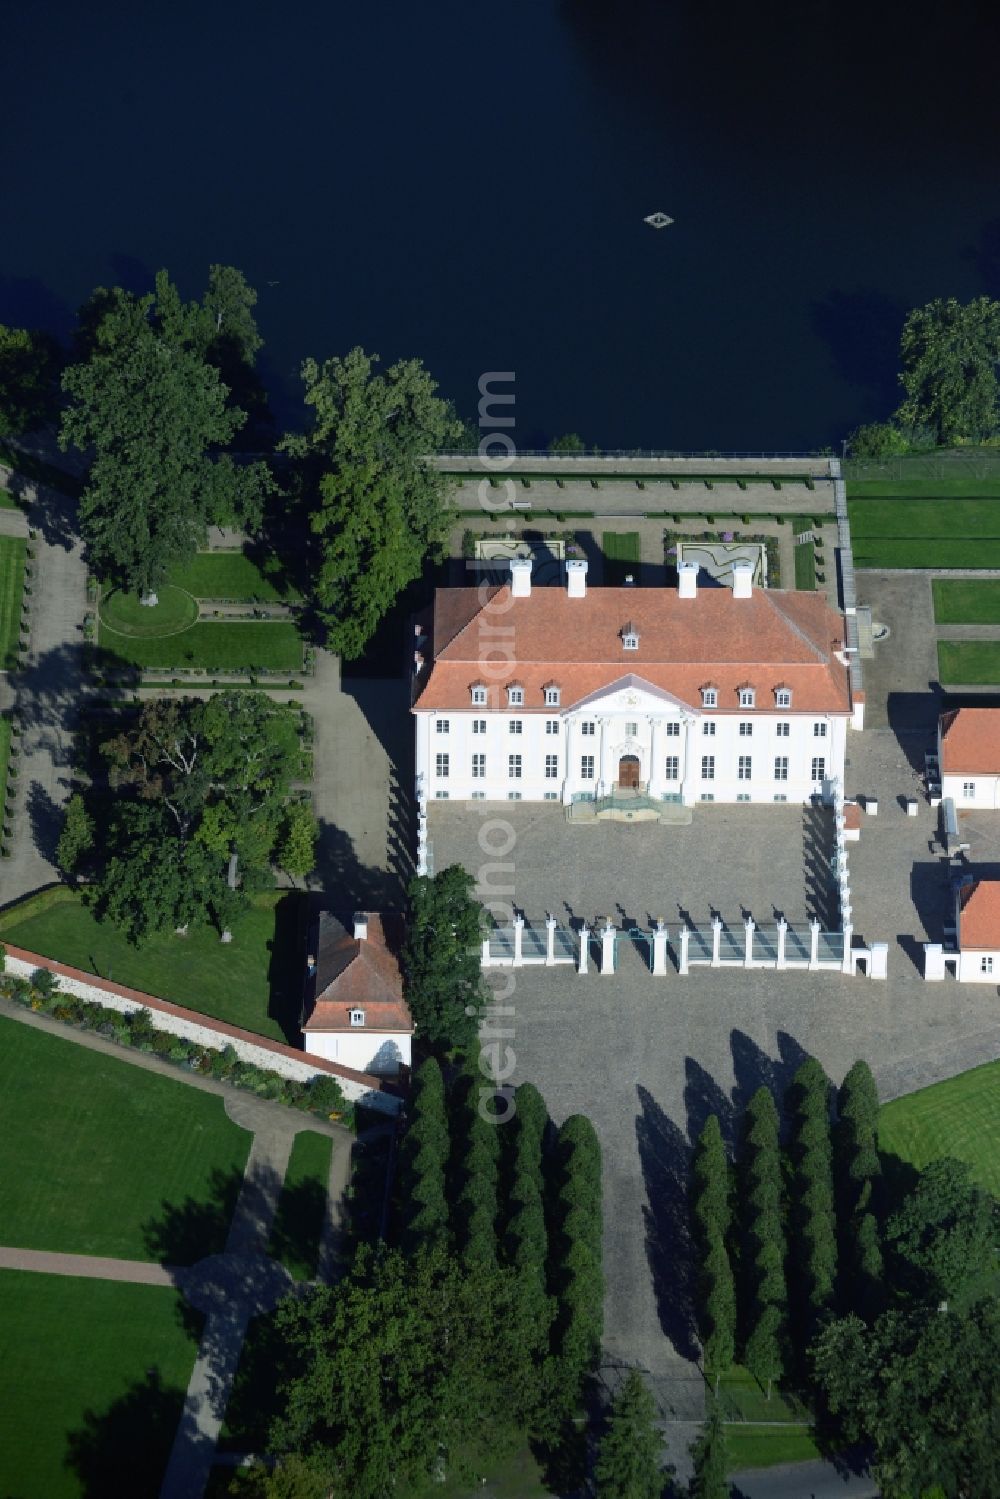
{"type": "Point", "coordinates": [977, 966]}
{"type": "Point", "coordinates": [971, 790]}
{"type": "Point", "coordinates": [381, 1053]}
{"type": "Point", "coordinates": [624, 722]}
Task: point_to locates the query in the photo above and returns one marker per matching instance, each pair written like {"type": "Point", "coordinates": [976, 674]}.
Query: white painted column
{"type": "Point", "coordinates": [847, 965]}
{"type": "Point", "coordinates": [782, 932]}
{"type": "Point", "coordinates": [608, 948]}
{"type": "Point", "coordinates": [748, 927]}
{"type": "Point", "coordinates": [716, 940]}
{"type": "Point", "coordinates": [550, 941]}
{"type": "Point", "coordinates": [682, 958]}
{"type": "Point", "coordinates": [603, 787]}
{"type": "Point", "coordinates": [485, 959]}
{"type": "Point", "coordinates": [584, 948]}
{"type": "Point", "coordinates": [518, 936]}
{"type": "Point", "coordinates": [813, 943]}
{"type": "Point", "coordinates": [423, 749]}
{"type": "Point", "coordinates": [569, 773]}
{"type": "Point", "coordinates": [660, 950]}
{"type": "Point", "coordinates": [933, 961]}
{"type": "Point", "coordinates": [657, 755]}
{"type": "Point", "coordinates": [691, 768]}
{"type": "Point", "coordinates": [880, 960]}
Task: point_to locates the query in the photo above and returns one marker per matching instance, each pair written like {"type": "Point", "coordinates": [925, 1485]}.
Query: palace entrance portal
{"type": "Point", "coordinates": [628, 772]}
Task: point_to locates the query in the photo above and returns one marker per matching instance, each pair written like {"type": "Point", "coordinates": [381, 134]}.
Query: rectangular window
{"type": "Point", "coordinates": [479, 726]}
{"type": "Point", "coordinates": [441, 763]}
{"type": "Point", "coordinates": [819, 730]}
{"type": "Point", "coordinates": [709, 697]}
{"type": "Point", "coordinates": [708, 796]}
{"type": "Point", "coordinates": [986, 965]}
{"type": "Point", "coordinates": [672, 767]}
{"type": "Point", "coordinates": [514, 726]}
{"type": "Point", "coordinates": [818, 768]}
{"type": "Point", "coordinates": [673, 729]}
{"type": "Point", "coordinates": [781, 767]}
{"type": "Point", "coordinates": [708, 767]}
{"type": "Point", "coordinates": [746, 697]}
{"type": "Point", "coordinates": [552, 697]}
{"type": "Point", "coordinates": [783, 730]}
{"type": "Point", "coordinates": [478, 767]}
{"type": "Point", "coordinates": [780, 797]}
{"type": "Point", "coordinates": [586, 767]}
{"type": "Point", "coordinates": [586, 728]}
{"type": "Point", "coordinates": [631, 730]}
{"type": "Point", "coordinates": [783, 698]}
{"type": "Point", "coordinates": [742, 796]}
{"type": "Point", "coordinates": [551, 767]}
{"type": "Point", "coordinates": [515, 696]}
{"type": "Point", "coordinates": [479, 695]}
{"type": "Point", "coordinates": [478, 796]}
{"type": "Point", "coordinates": [441, 796]}
{"type": "Point", "coordinates": [550, 796]}
{"type": "Point", "coordinates": [745, 769]}
{"type": "Point", "coordinates": [552, 726]}
{"type": "Point", "coordinates": [513, 796]}
{"type": "Point", "coordinates": [746, 729]}
{"type": "Point", "coordinates": [708, 727]}
{"type": "Point", "coordinates": [969, 788]}
{"type": "Point", "coordinates": [514, 767]}
{"type": "Point", "coordinates": [442, 725]}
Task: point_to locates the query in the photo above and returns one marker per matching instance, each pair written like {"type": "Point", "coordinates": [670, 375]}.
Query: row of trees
{"type": "Point", "coordinates": [197, 812]}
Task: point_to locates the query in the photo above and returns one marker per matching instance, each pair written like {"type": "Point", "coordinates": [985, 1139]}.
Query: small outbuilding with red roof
{"type": "Point", "coordinates": [353, 1004]}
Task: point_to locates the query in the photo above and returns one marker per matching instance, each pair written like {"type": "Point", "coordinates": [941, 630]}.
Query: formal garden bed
{"type": "Point", "coordinates": [932, 532]}
{"type": "Point", "coordinates": [209, 645]}
{"type": "Point", "coordinates": [234, 577]}
{"type": "Point", "coordinates": [960, 1118]}
{"type": "Point", "coordinates": [621, 557]}
{"type": "Point", "coordinates": [966, 601]}
{"type": "Point", "coordinates": [969, 663]}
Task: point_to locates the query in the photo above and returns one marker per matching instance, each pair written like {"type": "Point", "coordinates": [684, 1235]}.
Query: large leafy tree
{"type": "Point", "coordinates": [29, 368]}
{"type": "Point", "coordinates": [629, 1458]}
{"type": "Point", "coordinates": [950, 351]}
{"type": "Point", "coordinates": [151, 411]}
{"type": "Point", "coordinates": [441, 958]}
{"type": "Point", "coordinates": [944, 1234]}
{"type": "Point", "coordinates": [376, 507]}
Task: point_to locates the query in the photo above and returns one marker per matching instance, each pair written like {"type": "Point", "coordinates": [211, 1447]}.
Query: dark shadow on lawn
{"type": "Point", "coordinates": [185, 1232]}
{"type": "Point", "coordinates": [124, 1449]}
{"type": "Point", "coordinates": [298, 1226]}
{"type": "Point", "coordinates": [284, 970]}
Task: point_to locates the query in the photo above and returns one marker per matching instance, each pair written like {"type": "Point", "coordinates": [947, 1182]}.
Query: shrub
{"type": "Point", "coordinates": [325, 1096]}
{"type": "Point", "coordinates": [809, 483]}
{"type": "Point", "coordinates": [44, 982]}
{"type": "Point", "coordinates": [775, 483]}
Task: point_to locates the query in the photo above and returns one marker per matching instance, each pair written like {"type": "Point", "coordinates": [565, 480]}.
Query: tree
{"type": "Point", "coordinates": [766, 1293]}
{"type": "Point", "coordinates": [441, 958]}
{"type": "Point", "coordinates": [77, 836]}
{"type": "Point", "coordinates": [423, 1162]}
{"type": "Point", "coordinates": [155, 881]}
{"type": "Point", "coordinates": [526, 1240]}
{"type": "Point", "coordinates": [856, 1157]}
{"type": "Point", "coordinates": [922, 1385]}
{"type": "Point", "coordinates": [710, 1183]}
{"type": "Point", "coordinates": [629, 1457]}
{"type": "Point", "coordinates": [943, 1236]}
{"type": "Point", "coordinates": [813, 1225]}
{"type": "Point", "coordinates": [29, 369]}
{"type": "Point", "coordinates": [719, 1309]}
{"type": "Point", "coordinates": [577, 1270]}
{"type": "Point", "coordinates": [709, 1460]}
{"type": "Point", "coordinates": [949, 353]}
{"type": "Point", "coordinates": [296, 847]}
{"type": "Point", "coordinates": [152, 411]}
{"type": "Point", "coordinates": [569, 442]}
{"type": "Point", "coordinates": [377, 508]}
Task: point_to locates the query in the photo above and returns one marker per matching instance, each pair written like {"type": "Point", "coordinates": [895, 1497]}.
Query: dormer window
{"type": "Point", "coordinates": [357, 1017]}
{"type": "Point", "coordinates": [479, 694]}
{"type": "Point", "coordinates": [710, 697]}
{"type": "Point", "coordinates": [747, 697]}
{"type": "Point", "coordinates": [515, 697]}
{"type": "Point", "coordinates": [630, 638]}
{"type": "Point", "coordinates": [551, 697]}
{"type": "Point", "coordinates": [782, 697]}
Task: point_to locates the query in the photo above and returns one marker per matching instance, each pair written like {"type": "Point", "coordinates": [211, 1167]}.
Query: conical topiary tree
{"type": "Point", "coordinates": [629, 1459]}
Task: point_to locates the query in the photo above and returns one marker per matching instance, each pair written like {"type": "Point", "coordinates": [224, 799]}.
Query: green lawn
{"type": "Point", "coordinates": [4, 757]}
{"type": "Point", "coordinates": [960, 1117]}
{"type": "Point", "coordinates": [126, 614]}
{"type": "Point", "coordinates": [925, 532]}
{"type": "Point", "coordinates": [98, 1157]}
{"type": "Point", "coordinates": [231, 575]}
{"type": "Point", "coordinates": [744, 1399]}
{"type": "Point", "coordinates": [972, 601]}
{"type": "Point", "coordinates": [298, 1225]}
{"type": "Point", "coordinates": [972, 663]}
{"type": "Point", "coordinates": [223, 645]}
{"type": "Point", "coordinates": [750, 1446]}
{"type": "Point", "coordinates": [12, 554]}
{"type": "Point", "coordinates": [805, 554]}
{"type": "Point", "coordinates": [94, 1381]}
{"type": "Point", "coordinates": [252, 981]}
{"type": "Point", "coordinates": [621, 556]}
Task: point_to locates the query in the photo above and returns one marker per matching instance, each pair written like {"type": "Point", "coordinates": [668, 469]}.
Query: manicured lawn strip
{"type": "Point", "coordinates": [271, 645]}
{"type": "Point", "coordinates": [972, 663]}
{"type": "Point", "coordinates": [621, 556]}
{"type": "Point", "coordinates": [960, 1117]}
{"type": "Point", "coordinates": [4, 757]}
{"type": "Point", "coordinates": [98, 1157]}
{"type": "Point", "coordinates": [743, 1398]}
{"type": "Point", "coordinates": [250, 982]}
{"type": "Point", "coordinates": [81, 1414]}
{"type": "Point", "coordinates": [298, 1225]}
{"type": "Point", "coordinates": [951, 489]}
{"type": "Point", "coordinates": [230, 575]}
{"type": "Point", "coordinates": [12, 554]}
{"type": "Point", "coordinates": [751, 1446]}
{"type": "Point", "coordinates": [929, 552]}
{"type": "Point", "coordinates": [937, 519]}
{"type": "Point", "coordinates": [966, 601]}
{"type": "Point", "coordinates": [805, 554]}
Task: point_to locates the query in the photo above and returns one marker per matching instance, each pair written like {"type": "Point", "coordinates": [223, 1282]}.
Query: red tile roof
{"type": "Point", "coordinates": [769, 640]}
{"type": "Point", "coordinates": [979, 914]}
{"type": "Point", "coordinates": [354, 973]}
{"type": "Point", "coordinates": [852, 815]}
{"type": "Point", "coordinates": [970, 741]}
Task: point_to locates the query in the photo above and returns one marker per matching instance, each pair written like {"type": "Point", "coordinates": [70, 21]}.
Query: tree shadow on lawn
{"type": "Point", "coordinates": [286, 965]}
{"type": "Point", "coordinates": [185, 1232]}
{"type": "Point", "coordinates": [124, 1449]}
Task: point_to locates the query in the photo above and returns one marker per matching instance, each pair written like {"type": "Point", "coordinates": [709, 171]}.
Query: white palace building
{"type": "Point", "coordinates": [692, 694]}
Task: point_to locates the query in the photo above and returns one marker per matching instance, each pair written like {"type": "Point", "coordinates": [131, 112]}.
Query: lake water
{"type": "Point", "coordinates": [468, 182]}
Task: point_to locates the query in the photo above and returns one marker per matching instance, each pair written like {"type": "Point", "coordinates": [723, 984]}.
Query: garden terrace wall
{"type": "Point", "coordinates": [286, 1061]}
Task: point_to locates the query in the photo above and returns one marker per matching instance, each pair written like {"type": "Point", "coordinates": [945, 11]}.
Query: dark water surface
{"type": "Point", "coordinates": [467, 182]}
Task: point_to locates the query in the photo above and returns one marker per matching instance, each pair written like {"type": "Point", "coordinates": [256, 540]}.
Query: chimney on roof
{"type": "Point", "coordinates": [576, 578]}
{"type": "Point", "coordinates": [520, 577]}
{"type": "Point", "coordinates": [687, 580]}
{"type": "Point", "coordinates": [361, 927]}
{"type": "Point", "coordinates": [742, 580]}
